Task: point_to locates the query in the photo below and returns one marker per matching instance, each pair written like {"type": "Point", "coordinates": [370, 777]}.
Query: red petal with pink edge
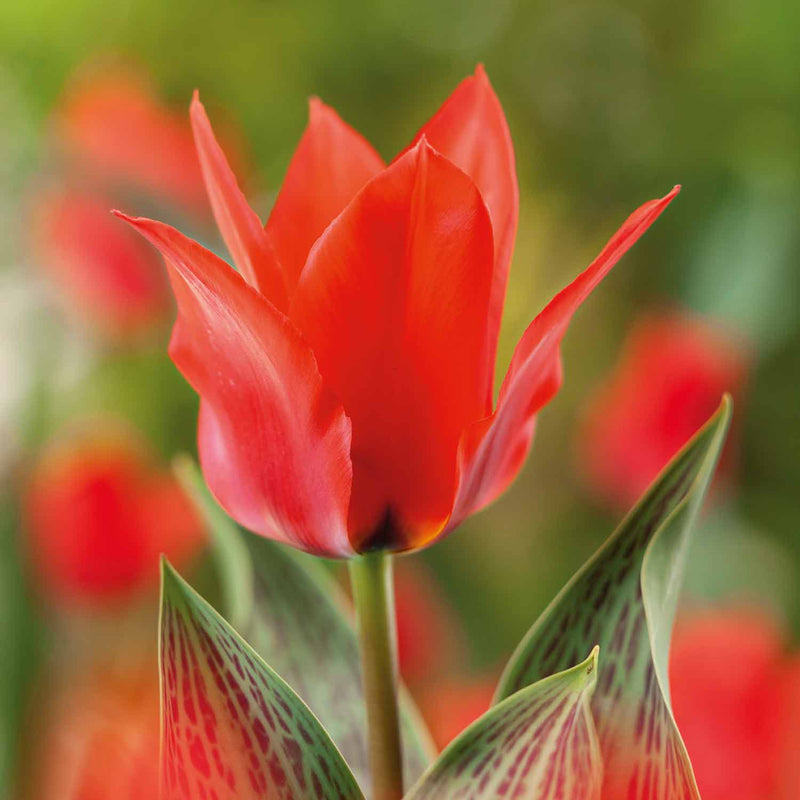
{"type": "Point", "coordinates": [244, 235]}
{"type": "Point", "coordinates": [331, 163]}
{"type": "Point", "coordinates": [493, 450]}
{"type": "Point", "coordinates": [273, 441]}
{"type": "Point", "coordinates": [393, 300]}
{"type": "Point", "coordinates": [471, 130]}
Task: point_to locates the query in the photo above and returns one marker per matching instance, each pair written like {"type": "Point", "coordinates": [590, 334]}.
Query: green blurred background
{"type": "Point", "coordinates": [609, 104]}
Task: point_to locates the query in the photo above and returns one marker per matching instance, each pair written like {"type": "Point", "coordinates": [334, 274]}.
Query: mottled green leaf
{"type": "Point", "coordinates": [540, 744]}
{"type": "Point", "coordinates": [624, 599]}
{"type": "Point", "coordinates": [300, 623]}
{"type": "Point", "coordinates": [232, 728]}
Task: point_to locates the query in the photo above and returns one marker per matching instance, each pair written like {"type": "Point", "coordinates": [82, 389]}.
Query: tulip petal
{"type": "Point", "coordinates": [471, 130]}
{"type": "Point", "coordinates": [624, 599]}
{"type": "Point", "coordinates": [244, 235]}
{"type": "Point", "coordinates": [273, 441]}
{"type": "Point", "coordinates": [331, 163]}
{"type": "Point", "coordinates": [493, 449]}
{"type": "Point", "coordinates": [393, 301]}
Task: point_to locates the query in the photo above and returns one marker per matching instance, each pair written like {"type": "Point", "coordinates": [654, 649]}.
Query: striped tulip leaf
{"type": "Point", "coordinates": [299, 621]}
{"type": "Point", "coordinates": [624, 599]}
{"type": "Point", "coordinates": [540, 743]}
{"type": "Point", "coordinates": [232, 729]}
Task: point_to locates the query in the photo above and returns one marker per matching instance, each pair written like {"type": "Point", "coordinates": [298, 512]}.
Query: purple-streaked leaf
{"type": "Point", "coordinates": [540, 744]}
{"type": "Point", "coordinates": [232, 729]}
{"type": "Point", "coordinates": [624, 599]}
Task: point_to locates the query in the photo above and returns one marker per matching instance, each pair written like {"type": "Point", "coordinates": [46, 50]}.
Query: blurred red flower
{"type": "Point", "coordinates": [428, 639]}
{"type": "Point", "coordinates": [450, 706]}
{"type": "Point", "coordinates": [99, 738]}
{"type": "Point", "coordinates": [98, 515]}
{"type": "Point", "coordinates": [736, 698]}
{"type": "Point", "coordinates": [669, 379]}
{"type": "Point", "coordinates": [111, 120]}
{"type": "Point", "coordinates": [104, 272]}
{"type": "Point", "coordinates": [346, 371]}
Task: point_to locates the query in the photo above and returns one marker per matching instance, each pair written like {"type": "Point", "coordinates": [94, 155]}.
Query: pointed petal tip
{"type": "Point", "coordinates": [198, 116]}
{"type": "Point", "coordinates": [123, 216]}
{"type": "Point", "coordinates": [135, 222]}
{"type": "Point", "coordinates": [318, 109]}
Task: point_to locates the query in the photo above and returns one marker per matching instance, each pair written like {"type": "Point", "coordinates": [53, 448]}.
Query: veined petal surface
{"type": "Point", "coordinates": [274, 443]}
{"type": "Point", "coordinates": [393, 301]}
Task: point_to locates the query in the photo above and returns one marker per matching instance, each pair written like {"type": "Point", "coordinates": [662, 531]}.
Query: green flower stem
{"type": "Point", "coordinates": [373, 593]}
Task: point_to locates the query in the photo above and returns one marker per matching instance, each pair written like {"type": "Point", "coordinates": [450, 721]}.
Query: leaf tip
{"type": "Point", "coordinates": [717, 424]}
{"type": "Point", "coordinates": [173, 586]}
{"type": "Point", "coordinates": [587, 670]}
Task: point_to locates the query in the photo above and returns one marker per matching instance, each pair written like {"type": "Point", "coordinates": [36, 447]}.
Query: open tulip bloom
{"type": "Point", "coordinates": [345, 370]}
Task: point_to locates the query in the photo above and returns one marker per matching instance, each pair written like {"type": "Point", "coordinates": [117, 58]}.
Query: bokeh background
{"type": "Point", "coordinates": [609, 104]}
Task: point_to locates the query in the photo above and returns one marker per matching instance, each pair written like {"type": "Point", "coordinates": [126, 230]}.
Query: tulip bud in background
{"type": "Point", "coordinates": [112, 123]}
{"type": "Point", "coordinates": [669, 379]}
{"type": "Point", "coordinates": [103, 273]}
{"type": "Point", "coordinates": [451, 705]}
{"type": "Point", "coordinates": [98, 514]}
{"type": "Point", "coordinates": [433, 652]}
{"type": "Point", "coordinates": [429, 638]}
{"type": "Point", "coordinates": [736, 698]}
{"type": "Point", "coordinates": [99, 737]}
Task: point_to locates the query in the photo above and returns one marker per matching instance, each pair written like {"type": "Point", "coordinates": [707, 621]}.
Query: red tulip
{"type": "Point", "coordinates": [99, 514]}
{"type": "Point", "coordinates": [112, 120]}
{"type": "Point", "coordinates": [669, 379]}
{"type": "Point", "coordinates": [99, 739]}
{"type": "Point", "coordinates": [346, 372]}
{"type": "Point", "coordinates": [735, 702]}
{"type": "Point", "coordinates": [101, 269]}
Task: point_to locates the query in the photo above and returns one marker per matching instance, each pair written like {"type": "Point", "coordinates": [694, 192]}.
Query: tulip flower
{"type": "Point", "coordinates": [101, 271]}
{"type": "Point", "coordinates": [669, 378]}
{"type": "Point", "coordinates": [346, 370]}
{"type": "Point", "coordinates": [98, 514]}
{"type": "Point", "coordinates": [736, 697]}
